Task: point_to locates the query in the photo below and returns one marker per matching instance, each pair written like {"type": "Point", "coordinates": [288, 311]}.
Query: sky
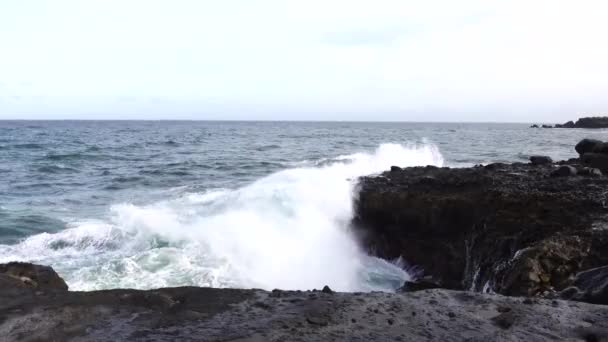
{"type": "Point", "coordinates": [380, 60]}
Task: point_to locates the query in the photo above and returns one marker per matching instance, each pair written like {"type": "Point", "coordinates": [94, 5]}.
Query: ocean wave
{"type": "Point", "coordinates": [287, 230]}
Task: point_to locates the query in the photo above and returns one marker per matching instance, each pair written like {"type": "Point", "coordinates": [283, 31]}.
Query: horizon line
{"type": "Point", "coordinates": [272, 120]}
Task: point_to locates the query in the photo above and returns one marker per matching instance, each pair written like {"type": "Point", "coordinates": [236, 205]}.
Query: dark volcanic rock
{"type": "Point", "coordinates": [587, 145]}
{"type": "Point", "coordinates": [590, 286]}
{"type": "Point", "coordinates": [213, 315]}
{"type": "Point", "coordinates": [589, 171]}
{"type": "Point", "coordinates": [546, 126]}
{"type": "Point", "coordinates": [418, 285]}
{"type": "Point", "coordinates": [588, 122]}
{"type": "Point", "coordinates": [29, 275]}
{"type": "Point", "coordinates": [534, 126]}
{"type": "Point", "coordinates": [569, 124]}
{"type": "Point", "coordinates": [564, 171]}
{"type": "Point", "coordinates": [595, 160]}
{"type": "Point", "coordinates": [508, 228]}
{"type": "Point", "coordinates": [592, 122]}
{"type": "Point", "coordinates": [540, 160]}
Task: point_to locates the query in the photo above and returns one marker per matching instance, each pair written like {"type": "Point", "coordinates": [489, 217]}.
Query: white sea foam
{"type": "Point", "coordinates": [288, 230]}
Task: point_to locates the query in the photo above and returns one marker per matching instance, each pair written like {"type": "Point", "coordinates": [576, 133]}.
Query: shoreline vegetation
{"type": "Point", "coordinates": [498, 251]}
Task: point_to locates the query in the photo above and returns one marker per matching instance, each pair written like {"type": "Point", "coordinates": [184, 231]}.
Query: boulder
{"type": "Point", "coordinates": [586, 145]}
{"type": "Point", "coordinates": [534, 126]}
{"type": "Point", "coordinates": [589, 171]}
{"type": "Point", "coordinates": [589, 286]}
{"type": "Point", "coordinates": [564, 171]}
{"type": "Point", "coordinates": [546, 126]}
{"type": "Point", "coordinates": [540, 160]}
{"type": "Point", "coordinates": [602, 147]}
{"type": "Point", "coordinates": [595, 160]}
{"type": "Point", "coordinates": [31, 276]}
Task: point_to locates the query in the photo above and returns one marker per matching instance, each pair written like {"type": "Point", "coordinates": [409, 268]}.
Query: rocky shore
{"type": "Point", "coordinates": [36, 306]}
{"type": "Point", "coordinates": [499, 252]}
{"type": "Point", "coordinates": [523, 229]}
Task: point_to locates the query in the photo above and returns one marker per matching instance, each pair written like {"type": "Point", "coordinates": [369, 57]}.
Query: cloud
{"type": "Point", "coordinates": [456, 60]}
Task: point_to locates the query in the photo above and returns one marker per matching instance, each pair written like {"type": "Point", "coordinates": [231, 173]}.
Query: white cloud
{"type": "Point", "coordinates": [383, 59]}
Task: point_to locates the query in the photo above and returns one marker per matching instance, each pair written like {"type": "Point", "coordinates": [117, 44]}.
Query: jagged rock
{"type": "Point", "coordinates": [589, 286]}
{"type": "Point", "coordinates": [550, 263]}
{"type": "Point", "coordinates": [588, 122]}
{"type": "Point", "coordinates": [569, 124]}
{"type": "Point", "coordinates": [586, 145]}
{"type": "Point", "coordinates": [395, 168]}
{"type": "Point", "coordinates": [467, 226]}
{"type": "Point", "coordinates": [546, 126]}
{"type": "Point", "coordinates": [534, 126]}
{"type": "Point", "coordinates": [595, 160]}
{"type": "Point", "coordinates": [564, 171]}
{"type": "Point", "coordinates": [31, 276]}
{"type": "Point", "coordinates": [592, 122]}
{"type": "Point", "coordinates": [215, 315]}
{"type": "Point", "coordinates": [540, 160]}
{"type": "Point", "coordinates": [326, 289]}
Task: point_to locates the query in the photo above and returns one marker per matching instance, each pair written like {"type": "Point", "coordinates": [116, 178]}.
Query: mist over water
{"type": "Point", "coordinates": [265, 205]}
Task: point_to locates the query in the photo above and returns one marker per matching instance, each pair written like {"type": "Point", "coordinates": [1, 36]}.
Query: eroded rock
{"type": "Point", "coordinates": [512, 229]}
{"type": "Point", "coordinates": [30, 276]}
{"type": "Point", "coordinates": [540, 160]}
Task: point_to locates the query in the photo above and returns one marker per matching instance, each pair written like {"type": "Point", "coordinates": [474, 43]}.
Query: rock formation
{"type": "Point", "coordinates": [587, 122]}
{"type": "Point", "coordinates": [207, 314]}
{"type": "Point", "coordinates": [520, 229]}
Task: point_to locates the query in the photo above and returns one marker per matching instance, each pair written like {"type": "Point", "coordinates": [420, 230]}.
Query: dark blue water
{"type": "Point", "coordinates": [145, 204]}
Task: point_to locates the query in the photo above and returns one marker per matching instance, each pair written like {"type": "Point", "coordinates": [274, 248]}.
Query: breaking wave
{"type": "Point", "coordinates": [288, 230]}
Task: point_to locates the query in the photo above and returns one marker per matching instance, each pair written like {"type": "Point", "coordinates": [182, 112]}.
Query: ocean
{"type": "Point", "coordinates": [148, 204]}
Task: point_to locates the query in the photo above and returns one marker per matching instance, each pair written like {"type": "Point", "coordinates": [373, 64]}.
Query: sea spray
{"type": "Point", "coordinates": [288, 230]}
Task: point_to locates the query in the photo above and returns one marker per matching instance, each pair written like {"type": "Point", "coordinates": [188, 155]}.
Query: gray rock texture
{"type": "Point", "coordinates": [206, 314]}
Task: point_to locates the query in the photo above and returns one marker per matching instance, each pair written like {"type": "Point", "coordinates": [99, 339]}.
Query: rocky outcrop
{"type": "Point", "coordinates": [28, 275]}
{"type": "Point", "coordinates": [587, 122]}
{"type": "Point", "coordinates": [593, 153]}
{"type": "Point", "coordinates": [589, 286]}
{"type": "Point", "coordinates": [207, 314]}
{"type": "Point", "coordinates": [512, 229]}
{"type": "Point", "coordinates": [569, 124]}
{"type": "Point", "coordinates": [540, 160]}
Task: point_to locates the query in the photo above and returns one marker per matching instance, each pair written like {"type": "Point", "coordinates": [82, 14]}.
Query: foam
{"type": "Point", "coordinates": [287, 230]}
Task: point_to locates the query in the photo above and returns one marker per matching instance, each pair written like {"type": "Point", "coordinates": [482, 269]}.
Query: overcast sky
{"type": "Point", "coordinates": [410, 60]}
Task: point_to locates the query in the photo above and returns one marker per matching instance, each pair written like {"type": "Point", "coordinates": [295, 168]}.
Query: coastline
{"type": "Point", "coordinates": [513, 251]}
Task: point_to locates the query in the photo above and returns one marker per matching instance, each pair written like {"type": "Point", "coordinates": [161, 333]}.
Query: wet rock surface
{"type": "Point", "coordinates": [589, 286]}
{"type": "Point", "coordinates": [20, 274]}
{"type": "Point", "coordinates": [206, 314]}
{"type": "Point", "coordinates": [520, 229]}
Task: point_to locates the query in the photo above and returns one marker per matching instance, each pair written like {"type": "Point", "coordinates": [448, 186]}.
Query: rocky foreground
{"type": "Point", "coordinates": [512, 252]}
{"type": "Point", "coordinates": [35, 306]}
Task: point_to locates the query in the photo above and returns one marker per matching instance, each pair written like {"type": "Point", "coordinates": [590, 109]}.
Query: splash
{"type": "Point", "coordinates": [288, 230]}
